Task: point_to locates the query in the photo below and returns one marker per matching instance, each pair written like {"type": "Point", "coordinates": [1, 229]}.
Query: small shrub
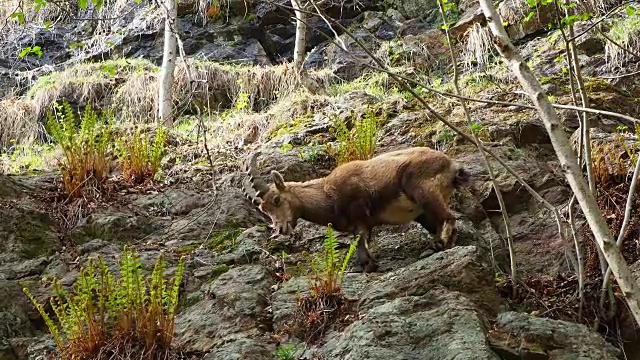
{"type": "Point", "coordinates": [286, 352]}
{"type": "Point", "coordinates": [85, 149]}
{"type": "Point", "coordinates": [107, 318]}
{"type": "Point", "coordinates": [140, 157]}
{"type": "Point", "coordinates": [326, 303]}
{"type": "Point", "coordinates": [360, 142]}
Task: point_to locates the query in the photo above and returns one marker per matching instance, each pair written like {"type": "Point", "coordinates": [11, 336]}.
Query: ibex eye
{"type": "Point", "coordinates": [276, 201]}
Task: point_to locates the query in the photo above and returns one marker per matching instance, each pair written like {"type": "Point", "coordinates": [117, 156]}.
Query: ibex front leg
{"type": "Point", "coordinates": [436, 218]}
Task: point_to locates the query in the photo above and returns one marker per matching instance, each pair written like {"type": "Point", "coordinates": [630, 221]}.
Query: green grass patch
{"type": "Point", "coordinates": [378, 84]}
{"type": "Point", "coordinates": [28, 159]}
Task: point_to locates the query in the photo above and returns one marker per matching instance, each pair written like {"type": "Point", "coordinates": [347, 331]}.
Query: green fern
{"type": "Point", "coordinates": [85, 146]}
{"type": "Point", "coordinates": [104, 312]}
{"type": "Point", "coordinates": [139, 158]}
{"type": "Point", "coordinates": [327, 268]}
{"type": "Point", "coordinates": [360, 142]}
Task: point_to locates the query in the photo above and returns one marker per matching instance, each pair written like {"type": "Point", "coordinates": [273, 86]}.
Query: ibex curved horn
{"type": "Point", "coordinates": [257, 182]}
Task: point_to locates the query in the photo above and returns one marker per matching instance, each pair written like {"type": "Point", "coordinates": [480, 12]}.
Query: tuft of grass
{"type": "Point", "coordinates": [85, 148]}
{"type": "Point", "coordinates": [478, 48]}
{"type": "Point", "coordinates": [377, 84]}
{"type": "Point", "coordinates": [87, 83]}
{"type": "Point", "coordinates": [139, 156]}
{"type": "Point", "coordinates": [223, 240]}
{"type": "Point", "coordinates": [107, 318]}
{"type": "Point", "coordinates": [359, 142]}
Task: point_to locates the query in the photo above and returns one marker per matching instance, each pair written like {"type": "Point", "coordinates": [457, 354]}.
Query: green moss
{"type": "Point", "coordinates": [187, 249]}
{"type": "Point", "coordinates": [223, 240]}
{"type": "Point", "coordinates": [297, 124]}
{"type": "Point", "coordinates": [550, 79]}
{"type": "Point", "coordinates": [94, 231]}
{"type": "Point", "coordinates": [188, 301]}
{"type": "Point", "coordinates": [219, 270]}
{"type": "Point", "coordinates": [34, 236]}
{"type": "Point", "coordinates": [596, 85]}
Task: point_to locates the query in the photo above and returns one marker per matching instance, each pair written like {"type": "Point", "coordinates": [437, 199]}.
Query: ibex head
{"type": "Point", "coordinates": [273, 200]}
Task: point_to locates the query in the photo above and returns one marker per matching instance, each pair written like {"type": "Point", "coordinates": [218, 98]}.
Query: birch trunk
{"type": "Point", "coordinates": [301, 34]}
{"type": "Point", "coordinates": [566, 157]}
{"type": "Point", "coordinates": [165, 80]}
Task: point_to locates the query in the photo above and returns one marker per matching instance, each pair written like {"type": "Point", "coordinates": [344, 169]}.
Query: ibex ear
{"type": "Point", "coordinates": [278, 180]}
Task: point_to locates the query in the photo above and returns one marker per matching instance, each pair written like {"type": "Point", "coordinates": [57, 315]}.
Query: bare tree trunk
{"type": "Point", "coordinates": [301, 34]}
{"type": "Point", "coordinates": [165, 80]}
{"type": "Point", "coordinates": [567, 158]}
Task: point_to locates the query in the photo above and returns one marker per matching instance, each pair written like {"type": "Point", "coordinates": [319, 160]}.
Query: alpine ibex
{"type": "Point", "coordinates": [393, 188]}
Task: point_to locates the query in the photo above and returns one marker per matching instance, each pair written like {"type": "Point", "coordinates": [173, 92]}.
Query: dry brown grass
{"type": "Point", "coordinates": [18, 125]}
{"type": "Point", "coordinates": [262, 84]}
{"type": "Point", "coordinates": [136, 99]}
{"type": "Point", "coordinates": [87, 83]}
{"type": "Point", "coordinates": [130, 87]}
{"type": "Point", "coordinates": [477, 48]}
{"type": "Point", "coordinates": [626, 33]}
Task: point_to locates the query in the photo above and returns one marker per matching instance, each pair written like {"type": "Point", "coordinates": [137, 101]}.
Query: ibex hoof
{"type": "Point", "coordinates": [427, 253]}
{"type": "Point", "coordinates": [367, 267]}
{"type": "Point", "coordinates": [371, 267]}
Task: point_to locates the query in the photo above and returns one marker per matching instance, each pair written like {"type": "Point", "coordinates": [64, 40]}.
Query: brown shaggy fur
{"type": "Point", "coordinates": [393, 188]}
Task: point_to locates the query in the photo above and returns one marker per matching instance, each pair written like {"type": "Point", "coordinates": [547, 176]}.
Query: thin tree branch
{"type": "Point", "coordinates": [604, 17]}
{"type": "Point", "coordinates": [476, 140]}
{"type": "Point", "coordinates": [620, 76]}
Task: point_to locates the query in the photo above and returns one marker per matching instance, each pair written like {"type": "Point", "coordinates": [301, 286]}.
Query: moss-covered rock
{"type": "Point", "coordinates": [28, 233]}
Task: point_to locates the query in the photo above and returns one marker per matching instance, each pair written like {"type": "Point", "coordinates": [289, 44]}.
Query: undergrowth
{"type": "Point", "coordinates": [613, 165]}
{"type": "Point", "coordinates": [358, 142]}
{"type": "Point", "coordinates": [85, 163]}
{"type": "Point", "coordinates": [325, 304]}
{"type": "Point", "coordinates": [109, 318]}
{"type": "Point", "coordinates": [613, 161]}
{"type": "Point", "coordinates": [139, 156]}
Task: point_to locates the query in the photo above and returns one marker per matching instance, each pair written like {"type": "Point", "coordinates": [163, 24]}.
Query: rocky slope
{"type": "Point", "coordinates": [443, 306]}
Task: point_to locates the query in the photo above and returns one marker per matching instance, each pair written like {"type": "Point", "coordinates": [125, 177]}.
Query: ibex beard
{"type": "Point", "coordinates": [393, 188]}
